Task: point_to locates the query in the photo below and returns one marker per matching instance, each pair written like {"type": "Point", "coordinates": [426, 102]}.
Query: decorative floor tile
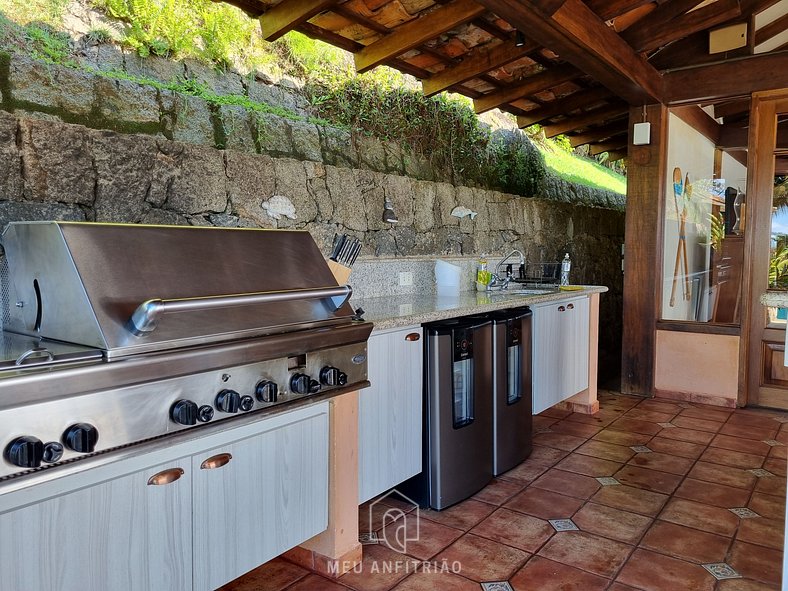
{"type": "Point", "coordinates": [760, 473]}
{"type": "Point", "coordinates": [607, 481]}
{"type": "Point", "coordinates": [563, 525]}
{"type": "Point", "coordinates": [721, 571]}
{"type": "Point", "coordinates": [744, 512]}
{"type": "Point", "coordinates": [773, 442]}
{"type": "Point", "coordinates": [497, 586]}
{"type": "Point", "coordinates": [641, 449]}
{"type": "Point", "coordinates": [667, 425]}
{"type": "Point", "coordinates": [368, 538]}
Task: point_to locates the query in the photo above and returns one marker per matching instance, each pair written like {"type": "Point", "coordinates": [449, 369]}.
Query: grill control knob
{"type": "Point", "coordinates": [299, 383]}
{"type": "Point", "coordinates": [247, 403]}
{"type": "Point", "coordinates": [314, 386]}
{"type": "Point", "coordinates": [205, 413]}
{"type": "Point", "coordinates": [331, 376]}
{"type": "Point", "coordinates": [184, 412]}
{"type": "Point", "coordinates": [81, 438]}
{"type": "Point", "coordinates": [228, 401]}
{"type": "Point", "coordinates": [25, 452]}
{"type": "Point", "coordinates": [266, 391]}
{"type": "Point", "coordinates": [53, 451]}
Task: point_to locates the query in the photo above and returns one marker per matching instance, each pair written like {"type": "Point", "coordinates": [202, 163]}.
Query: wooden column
{"type": "Point", "coordinates": [646, 177]}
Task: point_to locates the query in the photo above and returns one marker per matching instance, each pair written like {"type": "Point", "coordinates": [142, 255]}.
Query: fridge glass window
{"type": "Point", "coordinates": [463, 393]}
{"type": "Point", "coordinates": [514, 380]}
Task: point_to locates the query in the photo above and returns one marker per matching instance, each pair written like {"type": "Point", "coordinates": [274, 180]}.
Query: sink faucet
{"type": "Point", "coordinates": [503, 260]}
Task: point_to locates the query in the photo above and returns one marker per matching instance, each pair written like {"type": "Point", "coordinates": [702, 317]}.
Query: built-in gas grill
{"type": "Point", "coordinates": [121, 335]}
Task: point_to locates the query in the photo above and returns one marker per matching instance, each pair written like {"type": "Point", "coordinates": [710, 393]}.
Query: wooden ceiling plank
{"type": "Point", "coordinates": [360, 19]}
{"type": "Point", "coordinates": [771, 30]}
{"type": "Point", "coordinates": [609, 146]}
{"type": "Point", "coordinates": [700, 120]}
{"type": "Point", "coordinates": [610, 130]}
{"type": "Point", "coordinates": [335, 39]}
{"type": "Point", "coordinates": [729, 79]}
{"type": "Point", "coordinates": [414, 33]}
{"type": "Point", "coordinates": [585, 119]}
{"type": "Point", "coordinates": [476, 62]}
{"type": "Point", "coordinates": [288, 15]}
{"type": "Point", "coordinates": [735, 138]}
{"type": "Point", "coordinates": [531, 85]}
{"type": "Point", "coordinates": [564, 105]}
{"type": "Point", "coordinates": [657, 30]}
{"type": "Point", "coordinates": [610, 9]}
{"type": "Point", "coordinates": [732, 108]}
{"type": "Point", "coordinates": [490, 28]}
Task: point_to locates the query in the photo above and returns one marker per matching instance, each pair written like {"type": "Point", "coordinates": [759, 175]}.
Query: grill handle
{"type": "Point", "coordinates": [146, 317]}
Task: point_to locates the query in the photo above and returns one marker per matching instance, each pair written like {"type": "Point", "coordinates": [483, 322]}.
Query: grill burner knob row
{"type": "Point", "coordinates": [25, 452]}
{"type": "Point", "coordinates": [300, 383]}
{"type": "Point", "coordinates": [247, 403]}
{"type": "Point", "coordinates": [81, 438]}
{"type": "Point", "coordinates": [228, 401]}
{"type": "Point", "coordinates": [266, 391]}
{"type": "Point", "coordinates": [331, 376]}
{"type": "Point", "coordinates": [184, 412]}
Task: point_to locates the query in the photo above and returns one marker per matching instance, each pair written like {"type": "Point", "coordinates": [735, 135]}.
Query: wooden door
{"type": "Point", "coordinates": [765, 377]}
{"type": "Point", "coordinates": [390, 412]}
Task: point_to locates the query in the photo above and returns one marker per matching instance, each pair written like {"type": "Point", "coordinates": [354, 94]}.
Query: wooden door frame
{"type": "Point", "coordinates": [760, 179]}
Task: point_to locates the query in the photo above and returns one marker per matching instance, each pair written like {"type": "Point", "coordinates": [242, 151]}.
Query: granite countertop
{"type": "Point", "coordinates": [776, 299]}
{"type": "Point", "coordinates": [397, 311]}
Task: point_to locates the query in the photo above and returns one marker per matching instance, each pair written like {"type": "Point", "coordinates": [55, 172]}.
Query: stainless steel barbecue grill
{"type": "Point", "coordinates": [120, 335]}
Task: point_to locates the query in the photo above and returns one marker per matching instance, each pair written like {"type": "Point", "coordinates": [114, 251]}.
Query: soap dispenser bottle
{"type": "Point", "coordinates": [566, 266]}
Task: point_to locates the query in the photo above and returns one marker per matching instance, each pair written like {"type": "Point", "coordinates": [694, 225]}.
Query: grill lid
{"type": "Point", "coordinates": [130, 289]}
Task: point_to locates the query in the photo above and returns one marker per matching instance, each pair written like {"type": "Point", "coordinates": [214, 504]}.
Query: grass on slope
{"type": "Point", "coordinates": [581, 170]}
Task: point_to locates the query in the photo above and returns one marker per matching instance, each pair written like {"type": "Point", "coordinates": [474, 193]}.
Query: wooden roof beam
{"type": "Point", "coordinates": [618, 155]}
{"type": "Point", "coordinates": [700, 120]}
{"type": "Point", "coordinates": [735, 138]}
{"type": "Point", "coordinates": [601, 133]}
{"type": "Point", "coordinates": [771, 30]}
{"type": "Point", "coordinates": [732, 78]}
{"type": "Point", "coordinates": [414, 33]}
{"type": "Point", "coordinates": [610, 146]}
{"type": "Point", "coordinates": [585, 119]}
{"type": "Point", "coordinates": [732, 108]}
{"type": "Point", "coordinates": [476, 62]}
{"type": "Point", "coordinates": [581, 38]}
{"type": "Point", "coordinates": [531, 85]}
{"type": "Point", "coordinates": [564, 105]}
{"type": "Point", "coordinates": [288, 15]}
{"type": "Point", "coordinates": [610, 9]}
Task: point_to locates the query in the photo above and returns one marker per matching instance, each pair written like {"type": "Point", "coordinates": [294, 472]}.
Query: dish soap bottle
{"type": "Point", "coordinates": [566, 266]}
{"type": "Point", "coordinates": [482, 274]}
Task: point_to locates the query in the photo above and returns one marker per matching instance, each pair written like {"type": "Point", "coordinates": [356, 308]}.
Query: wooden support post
{"type": "Point", "coordinates": [646, 178]}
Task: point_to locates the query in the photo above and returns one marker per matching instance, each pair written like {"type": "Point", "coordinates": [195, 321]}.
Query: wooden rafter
{"type": "Point", "coordinates": [562, 106]}
{"type": "Point", "coordinates": [732, 108]}
{"type": "Point", "coordinates": [601, 133]}
{"type": "Point", "coordinates": [700, 120]}
{"type": "Point", "coordinates": [585, 119]}
{"type": "Point", "coordinates": [735, 138]}
{"type": "Point", "coordinates": [531, 85]}
{"type": "Point", "coordinates": [490, 28]}
{"type": "Point", "coordinates": [414, 33]}
{"type": "Point", "coordinates": [611, 146]}
{"type": "Point", "coordinates": [610, 9]}
{"type": "Point", "coordinates": [617, 155]}
{"type": "Point", "coordinates": [771, 30]}
{"type": "Point", "coordinates": [288, 15]}
{"type": "Point", "coordinates": [475, 63]}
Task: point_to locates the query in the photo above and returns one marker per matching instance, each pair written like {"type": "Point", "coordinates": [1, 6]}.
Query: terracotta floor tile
{"type": "Point", "coordinates": [629, 498]}
{"type": "Point", "coordinates": [779, 452]}
{"type": "Point", "coordinates": [745, 585]}
{"type": "Point", "coordinates": [611, 523]}
{"type": "Point", "coordinates": [371, 515]}
{"type": "Point", "coordinates": [775, 466]}
{"type": "Point", "coordinates": [546, 455]}
{"type": "Point", "coordinates": [462, 515]}
{"type": "Point", "coordinates": [620, 587]}
{"type": "Point", "coordinates": [625, 438]}
{"type": "Point", "coordinates": [544, 504]}
{"type": "Point", "coordinates": [650, 415]}
{"type": "Point", "coordinates": [559, 440]}
{"type": "Point", "coordinates": [540, 422]}
{"type": "Point", "coordinates": [272, 576]}
{"type": "Point", "coordinates": [691, 435]}
{"type": "Point", "coordinates": [773, 485]}
{"type": "Point", "coordinates": [499, 491]}
{"type": "Point", "coordinates": [606, 451]}
{"type": "Point", "coordinates": [636, 426]}
{"type": "Point", "coordinates": [541, 574]}
{"type": "Point", "coordinates": [434, 579]}
{"type": "Point", "coordinates": [425, 538]}
{"type": "Point", "coordinates": [711, 493]}
{"type": "Point", "coordinates": [515, 529]}
{"type": "Point", "coordinates": [769, 506]}
{"type": "Point", "coordinates": [697, 424]}
{"type": "Point", "coordinates": [317, 583]}
{"type": "Point", "coordinates": [736, 459]}
{"type": "Point", "coordinates": [377, 572]}
{"type": "Point", "coordinates": [741, 444]}
{"type": "Point", "coordinates": [662, 462]}
{"type": "Point", "coordinates": [660, 406]}
{"type": "Point", "coordinates": [763, 421]}
{"type": "Point", "coordinates": [705, 413]}
{"type": "Point", "coordinates": [483, 559]}
{"type": "Point", "coordinates": [684, 449]}
{"type": "Point", "coordinates": [757, 562]}
{"type": "Point", "coordinates": [686, 543]}
{"type": "Point", "coordinates": [748, 432]}
{"type": "Point", "coordinates": [567, 483]}
{"type": "Point", "coordinates": [588, 465]}
{"type": "Point", "coordinates": [526, 472]}
{"type": "Point", "coordinates": [723, 474]}
{"type": "Point", "coordinates": [653, 480]}
{"type": "Point", "coordinates": [600, 419]}
{"type": "Point", "coordinates": [711, 519]}
{"type": "Point", "coordinates": [575, 428]}
{"type": "Point", "coordinates": [555, 413]}
{"type": "Point", "coordinates": [656, 572]}
{"type": "Point", "coordinates": [762, 531]}
{"type": "Point", "coordinates": [586, 551]}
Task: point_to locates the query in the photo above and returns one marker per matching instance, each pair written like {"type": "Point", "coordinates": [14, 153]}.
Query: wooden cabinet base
{"type": "Point", "coordinates": [329, 566]}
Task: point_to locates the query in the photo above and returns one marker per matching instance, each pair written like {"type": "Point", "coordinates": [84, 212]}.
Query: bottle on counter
{"type": "Point", "coordinates": [482, 274]}
{"type": "Point", "coordinates": [566, 266]}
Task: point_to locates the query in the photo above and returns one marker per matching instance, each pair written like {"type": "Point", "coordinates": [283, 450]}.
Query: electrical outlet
{"type": "Point", "coordinates": [405, 278]}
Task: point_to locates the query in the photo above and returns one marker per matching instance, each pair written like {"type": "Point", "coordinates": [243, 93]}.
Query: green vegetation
{"type": "Point", "coordinates": [581, 170]}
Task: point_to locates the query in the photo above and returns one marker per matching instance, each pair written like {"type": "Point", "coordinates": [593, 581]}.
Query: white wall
{"type": "Point", "coordinates": [734, 173]}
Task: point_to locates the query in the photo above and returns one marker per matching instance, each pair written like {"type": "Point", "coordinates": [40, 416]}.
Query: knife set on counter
{"type": "Point", "coordinates": [344, 253]}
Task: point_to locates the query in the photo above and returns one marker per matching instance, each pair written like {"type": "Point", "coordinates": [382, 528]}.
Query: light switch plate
{"type": "Point", "coordinates": [405, 278]}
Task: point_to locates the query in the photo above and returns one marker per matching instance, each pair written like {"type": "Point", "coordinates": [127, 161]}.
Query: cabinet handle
{"type": "Point", "coordinates": [216, 461]}
{"type": "Point", "coordinates": [570, 307]}
{"type": "Point", "coordinates": [561, 309]}
{"type": "Point", "coordinates": [413, 336]}
{"type": "Point", "coordinates": [165, 477]}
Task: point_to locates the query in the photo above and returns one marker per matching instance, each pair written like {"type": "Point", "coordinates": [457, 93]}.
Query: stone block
{"type": "Point", "coordinates": [350, 205]}
{"type": "Point", "coordinates": [201, 186]}
{"type": "Point", "coordinates": [306, 141]}
{"type": "Point", "coordinates": [57, 162]}
{"type": "Point", "coordinates": [10, 159]}
{"type": "Point", "coordinates": [153, 67]}
{"type": "Point", "coordinates": [371, 153]}
{"type": "Point", "coordinates": [166, 167]}
{"type": "Point", "coordinates": [20, 211]}
{"type": "Point", "coordinates": [399, 190]}
{"type": "Point", "coordinates": [49, 86]}
{"type": "Point", "coordinates": [323, 234]}
{"type": "Point", "coordinates": [337, 147]}
{"type": "Point", "coordinates": [382, 243]}
{"type": "Point", "coordinates": [192, 121]}
{"type": "Point", "coordinates": [105, 57]}
{"type": "Point", "coordinates": [237, 125]}
{"type": "Point", "coordinates": [318, 188]}
{"type": "Point", "coordinates": [250, 180]}
{"type": "Point", "coordinates": [291, 183]}
{"type": "Point", "coordinates": [445, 202]}
{"type": "Point", "coordinates": [370, 187]}
{"type": "Point", "coordinates": [163, 217]}
{"type": "Point", "coordinates": [225, 220]}
{"type": "Point", "coordinates": [274, 134]}
{"type": "Point", "coordinates": [220, 82]}
{"type": "Point", "coordinates": [394, 158]}
{"type": "Point", "coordinates": [127, 102]}
{"type": "Point", "coordinates": [424, 205]}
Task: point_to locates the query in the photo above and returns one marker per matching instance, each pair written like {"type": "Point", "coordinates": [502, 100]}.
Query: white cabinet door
{"type": "Point", "coordinates": [257, 497]}
{"type": "Point", "coordinates": [573, 374]}
{"type": "Point", "coordinates": [390, 412]}
{"type": "Point", "coordinates": [121, 535]}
